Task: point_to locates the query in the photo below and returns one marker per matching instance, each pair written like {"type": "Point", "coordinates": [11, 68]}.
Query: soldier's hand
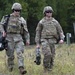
{"type": "Point", "coordinates": [3, 33]}
{"type": "Point", "coordinates": [61, 41]}
{"type": "Point", "coordinates": [38, 46]}
{"type": "Point", "coordinates": [27, 43]}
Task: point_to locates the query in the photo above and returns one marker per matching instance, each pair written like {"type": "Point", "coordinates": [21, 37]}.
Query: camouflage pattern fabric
{"type": "Point", "coordinates": [48, 29]}
{"type": "Point", "coordinates": [47, 32]}
{"type": "Point", "coordinates": [15, 41]}
{"type": "Point", "coordinates": [48, 50]}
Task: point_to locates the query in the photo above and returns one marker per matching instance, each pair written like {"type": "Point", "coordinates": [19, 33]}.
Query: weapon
{"type": "Point", "coordinates": [6, 22]}
{"type": "Point", "coordinates": [3, 43]}
{"type": "Point", "coordinates": [22, 33]}
{"type": "Point", "coordinates": [38, 56]}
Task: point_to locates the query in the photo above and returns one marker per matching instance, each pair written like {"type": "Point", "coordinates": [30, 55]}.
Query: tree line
{"type": "Point", "coordinates": [32, 11]}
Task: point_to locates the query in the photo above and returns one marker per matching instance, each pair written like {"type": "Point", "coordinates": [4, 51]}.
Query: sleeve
{"type": "Point", "coordinates": [60, 31]}
{"type": "Point", "coordinates": [26, 33]}
{"type": "Point", "coordinates": [1, 24]}
{"type": "Point", "coordinates": [38, 33]}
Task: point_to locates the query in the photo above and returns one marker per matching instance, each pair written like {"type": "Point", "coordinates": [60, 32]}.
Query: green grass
{"type": "Point", "coordinates": [64, 63]}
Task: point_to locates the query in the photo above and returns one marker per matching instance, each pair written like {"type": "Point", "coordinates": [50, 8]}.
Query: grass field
{"type": "Point", "coordinates": [64, 63]}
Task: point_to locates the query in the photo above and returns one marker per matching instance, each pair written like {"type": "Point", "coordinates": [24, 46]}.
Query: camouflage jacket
{"type": "Point", "coordinates": [14, 26]}
{"type": "Point", "coordinates": [48, 29]}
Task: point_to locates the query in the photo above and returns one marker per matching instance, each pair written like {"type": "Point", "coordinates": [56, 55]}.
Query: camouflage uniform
{"type": "Point", "coordinates": [15, 41]}
{"type": "Point", "coordinates": [47, 32]}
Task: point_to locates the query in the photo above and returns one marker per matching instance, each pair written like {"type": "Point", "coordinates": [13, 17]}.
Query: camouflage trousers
{"type": "Point", "coordinates": [48, 49]}
{"type": "Point", "coordinates": [19, 48]}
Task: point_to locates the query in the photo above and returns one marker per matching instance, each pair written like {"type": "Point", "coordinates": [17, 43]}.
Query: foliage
{"type": "Point", "coordinates": [2, 7]}
{"type": "Point", "coordinates": [71, 16]}
{"type": "Point", "coordinates": [64, 62]}
{"type": "Point", "coordinates": [35, 13]}
{"type": "Point", "coordinates": [64, 12]}
{"type": "Point", "coordinates": [71, 10]}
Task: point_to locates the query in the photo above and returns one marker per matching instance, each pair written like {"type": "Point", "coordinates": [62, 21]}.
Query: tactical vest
{"type": "Point", "coordinates": [14, 25]}
{"type": "Point", "coordinates": [49, 29]}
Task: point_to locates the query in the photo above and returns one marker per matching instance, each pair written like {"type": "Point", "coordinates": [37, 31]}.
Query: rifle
{"type": "Point", "coordinates": [3, 41]}
{"type": "Point", "coordinates": [38, 56]}
{"type": "Point", "coordinates": [6, 22]}
{"type": "Point", "coordinates": [22, 33]}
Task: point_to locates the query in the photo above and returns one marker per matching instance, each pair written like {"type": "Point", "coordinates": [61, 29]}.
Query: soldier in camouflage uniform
{"type": "Point", "coordinates": [47, 32]}
{"type": "Point", "coordinates": [14, 38]}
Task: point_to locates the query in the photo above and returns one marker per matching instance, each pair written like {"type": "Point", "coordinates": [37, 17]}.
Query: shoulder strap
{"type": "Point", "coordinates": [6, 23]}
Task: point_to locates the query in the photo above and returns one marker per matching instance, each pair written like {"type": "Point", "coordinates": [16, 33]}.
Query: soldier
{"type": "Point", "coordinates": [14, 38]}
{"type": "Point", "coordinates": [47, 32]}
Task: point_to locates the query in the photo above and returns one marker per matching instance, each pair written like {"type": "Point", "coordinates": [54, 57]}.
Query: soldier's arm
{"type": "Point", "coordinates": [60, 31]}
{"type": "Point", "coordinates": [26, 33]}
{"type": "Point", "coordinates": [38, 33]}
{"type": "Point", "coordinates": [1, 26]}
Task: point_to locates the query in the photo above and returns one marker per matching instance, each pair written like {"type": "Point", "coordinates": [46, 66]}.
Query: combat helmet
{"type": "Point", "coordinates": [47, 8]}
{"type": "Point", "coordinates": [16, 6]}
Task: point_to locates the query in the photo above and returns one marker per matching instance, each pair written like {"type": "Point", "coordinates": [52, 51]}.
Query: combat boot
{"type": "Point", "coordinates": [47, 67]}
{"type": "Point", "coordinates": [22, 71]}
{"type": "Point", "coordinates": [51, 63]}
{"type": "Point", "coordinates": [47, 70]}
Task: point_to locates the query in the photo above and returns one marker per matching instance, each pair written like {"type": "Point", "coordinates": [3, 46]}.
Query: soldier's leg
{"type": "Point", "coordinates": [52, 46]}
{"type": "Point", "coordinates": [10, 54]}
{"type": "Point", "coordinates": [20, 51]}
{"type": "Point", "coordinates": [47, 54]}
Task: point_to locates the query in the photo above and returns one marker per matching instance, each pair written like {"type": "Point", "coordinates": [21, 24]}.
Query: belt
{"type": "Point", "coordinates": [13, 33]}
